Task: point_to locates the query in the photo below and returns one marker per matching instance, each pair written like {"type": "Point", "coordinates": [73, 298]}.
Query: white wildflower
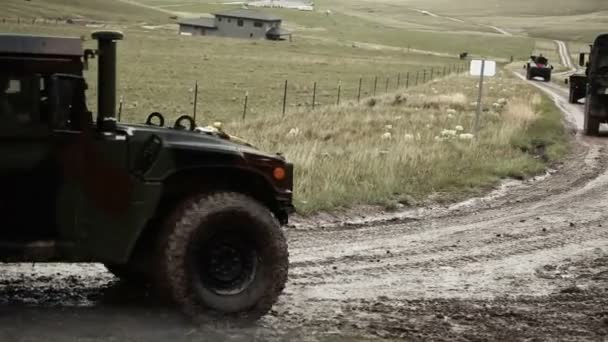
{"type": "Point", "coordinates": [448, 133]}
{"type": "Point", "coordinates": [294, 132]}
{"type": "Point", "coordinates": [388, 127]}
{"type": "Point", "coordinates": [387, 136]}
{"type": "Point", "coordinates": [502, 101]}
{"type": "Point", "coordinates": [459, 128]}
{"type": "Point", "coordinates": [408, 136]}
{"type": "Point", "coordinates": [451, 111]}
{"type": "Point", "coordinates": [450, 116]}
{"type": "Point", "coordinates": [466, 136]}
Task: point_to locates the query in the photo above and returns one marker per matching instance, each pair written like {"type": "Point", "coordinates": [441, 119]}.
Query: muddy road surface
{"type": "Point", "coordinates": [527, 262]}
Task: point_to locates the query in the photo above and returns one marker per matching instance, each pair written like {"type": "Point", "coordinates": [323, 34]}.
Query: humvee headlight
{"type": "Point", "coordinates": [279, 173]}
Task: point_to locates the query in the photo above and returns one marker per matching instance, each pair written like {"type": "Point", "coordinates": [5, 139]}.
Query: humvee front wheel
{"type": "Point", "coordinates": [591, 125]}
{"type": "Point", "coordinates": [223, 256]}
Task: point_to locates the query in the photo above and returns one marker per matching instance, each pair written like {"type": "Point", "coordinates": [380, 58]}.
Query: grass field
{"type": "Point", "coordinates": [158, 70]}
{"type": "Point", "coordinates": [388, 150]}
{"type": "Point", "coordinates": [113, 10]}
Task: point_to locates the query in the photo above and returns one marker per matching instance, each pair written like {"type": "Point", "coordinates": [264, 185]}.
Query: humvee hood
{"type": "Point", "coordinates": [191, 140]}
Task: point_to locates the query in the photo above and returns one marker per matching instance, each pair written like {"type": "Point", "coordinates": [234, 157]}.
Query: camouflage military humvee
{"type": "Point", "coordinates": [190, 211]}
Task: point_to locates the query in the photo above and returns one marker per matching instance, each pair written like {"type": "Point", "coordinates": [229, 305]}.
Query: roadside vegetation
{"type": "Point", "coordinates": [414, 144]}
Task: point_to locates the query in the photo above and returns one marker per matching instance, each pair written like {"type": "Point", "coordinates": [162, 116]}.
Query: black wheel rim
{"type": "Point", "coordinates": [226, 263]}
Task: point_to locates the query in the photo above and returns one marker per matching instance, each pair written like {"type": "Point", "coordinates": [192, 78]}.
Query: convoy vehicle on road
{"type": "Point", "coordinates": [592, 85]}
{"type": "Point", "coordinates": [538, 66]}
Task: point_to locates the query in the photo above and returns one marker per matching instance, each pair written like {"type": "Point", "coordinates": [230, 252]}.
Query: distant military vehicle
{"type": "Point", "coordinates": [538, 66]}
{"type": "Point", "coordinates": [187, 209]}
{"type": "Point", "coordinates": [592, 85]}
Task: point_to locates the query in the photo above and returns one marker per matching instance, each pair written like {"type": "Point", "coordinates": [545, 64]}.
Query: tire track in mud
{"type": "Point", "coordinates": [490, 250]}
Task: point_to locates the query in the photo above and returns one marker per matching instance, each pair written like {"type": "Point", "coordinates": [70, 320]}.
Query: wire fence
{"type": "Point", "coordinates": [48, 21]}
{"type": "Point", "coordinates": [309, 97]}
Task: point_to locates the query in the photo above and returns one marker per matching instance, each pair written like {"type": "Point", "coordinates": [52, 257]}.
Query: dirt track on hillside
{"type": "Point", "coordinates": [529, 262]}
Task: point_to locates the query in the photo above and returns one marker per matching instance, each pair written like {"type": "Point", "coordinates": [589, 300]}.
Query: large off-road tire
{"type": "Point", "coordinates": [528, 73]}
{"type": "Point", "coordinates": [222, 255]}
{"type": "Point", "coordinates": [591, 124]}
{"type": "Point", "coordinates": [571, 94]}
{"type": "Point", "coordinates": [548, 78]}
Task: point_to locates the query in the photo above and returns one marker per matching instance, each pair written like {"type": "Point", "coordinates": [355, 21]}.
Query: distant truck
{"type": "Point", "coordinates": [538, 66]}
{"type": "Point", "coordinates": [592, 85]}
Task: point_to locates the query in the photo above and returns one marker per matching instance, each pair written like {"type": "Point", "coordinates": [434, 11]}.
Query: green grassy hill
{"type": "Point", "coordinates": [106, 10]}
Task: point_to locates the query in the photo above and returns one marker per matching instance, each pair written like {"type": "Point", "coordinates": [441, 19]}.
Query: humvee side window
{"type": "Point", "coordinates": [67, 102]}
{"type": "Point", "coordinates": [603, 60]}
{"type": "Point", "coordinates": [14, 87]}
{"type": "Point", "coordinates": [18, 102]}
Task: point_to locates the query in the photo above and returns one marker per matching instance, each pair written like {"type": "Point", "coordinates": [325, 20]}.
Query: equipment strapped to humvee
{"type": "Point", "coordinates": [186, 209]}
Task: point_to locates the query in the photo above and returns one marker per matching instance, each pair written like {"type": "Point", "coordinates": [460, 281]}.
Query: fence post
{"type": "Point", "coordinates": [375, 84]}
{"type": "Point", "coordinates": [314, 95]}
{"type": "Point", "coordinates": [285, 98]}
{"type": "Point", "coordinates": [120, 108]}
{"type": "Point", "coordinates": [398, 80]}
{"type": "Point", "coordinates": [339, 91]}
{"type": "Point", "coordinates": [424, 76]}
{"type": "Point", "coordinates": [245, 105]}
{"type": "Point", "coordinates": [432, 71]}
{"type": "Point", "coordinates": [359, 93]}
{"type": "Point", "coordinates": [444, 70]}
{"type": "Point", "coordinates": [407, 80]}
{"type": "Point", "coordinates": [417, 74]}
{"type": "Point", "coordinates": [388, 79]}
{"type": "Point", "coordinates": [195, 100]}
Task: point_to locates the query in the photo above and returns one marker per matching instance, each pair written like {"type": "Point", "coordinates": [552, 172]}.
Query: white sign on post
{"type": "Point", "coordinates": [488, 70]}
{"type": "Point", "coordinates": [481, 68]}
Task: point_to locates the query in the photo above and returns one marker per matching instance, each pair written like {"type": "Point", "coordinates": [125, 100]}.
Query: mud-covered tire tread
{"type": "Point", "coordinates": [591, 123]}
{"type": "Point", "coordinates": [571, 95]}
{"type": "Point", "coordinates": [173, 281]}
{"type": "Point", "coordinates": [125, 274]}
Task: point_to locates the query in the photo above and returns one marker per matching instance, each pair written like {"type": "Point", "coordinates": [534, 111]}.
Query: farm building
{"type": "Point", "coordinates": [241, 23]}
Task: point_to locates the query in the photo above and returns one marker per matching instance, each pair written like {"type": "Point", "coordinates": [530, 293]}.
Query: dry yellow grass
{"type": "Point", "coordinates": [404, 146]}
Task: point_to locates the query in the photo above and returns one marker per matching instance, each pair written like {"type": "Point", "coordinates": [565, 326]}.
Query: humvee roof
{"type": "Point", "coordinates": [23, 44]}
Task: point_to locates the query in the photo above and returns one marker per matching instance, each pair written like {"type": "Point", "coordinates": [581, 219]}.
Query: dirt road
{"type": "Point", "coordinates": [530, 261]}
